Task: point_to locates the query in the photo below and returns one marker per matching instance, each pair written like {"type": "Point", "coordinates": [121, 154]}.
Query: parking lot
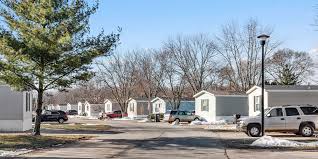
{"type": "Point", "coordinates": [132, 139]}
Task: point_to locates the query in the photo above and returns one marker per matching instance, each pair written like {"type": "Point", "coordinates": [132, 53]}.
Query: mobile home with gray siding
{"type": "Point", "coordinates": [278, 95]}
{"type": "Point", "coordinates": [15, 109]}
{"type": "Point", "coordinates": [212, 107]}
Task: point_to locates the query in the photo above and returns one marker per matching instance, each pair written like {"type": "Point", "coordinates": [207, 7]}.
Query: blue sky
{"type": "Point", "coordinates": [147, 23]}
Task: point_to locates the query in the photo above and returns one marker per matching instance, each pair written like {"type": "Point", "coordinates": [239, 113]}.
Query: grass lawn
{"type": "Point", "coordinates": [11, 142]}
{"type": "Point", "coordinates": [77, 126]}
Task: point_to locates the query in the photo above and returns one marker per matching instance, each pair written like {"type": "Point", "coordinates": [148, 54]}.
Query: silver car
{"type": "Point", "coordinates": [180, 116]}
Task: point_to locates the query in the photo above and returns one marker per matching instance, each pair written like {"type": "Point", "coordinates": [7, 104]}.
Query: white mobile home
{"type": "Point", "coordinates": [94, 110]}
{"type": "Point", "coordinates": [15, 109]}
{"type": "Point", "coordinates": [111, 106]}
{"type": "Point", "coordinates": [137, 107]}
{"type": "Point", "coordinates": [277, 95]}
{"type": "Point", "coordinates": [212, 107]}
{"type": "Point", "coordinates": [162, 105]}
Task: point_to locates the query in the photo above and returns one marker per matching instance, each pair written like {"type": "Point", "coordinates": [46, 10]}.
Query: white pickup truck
{"type": "Point", "coordinates": [301, 120]}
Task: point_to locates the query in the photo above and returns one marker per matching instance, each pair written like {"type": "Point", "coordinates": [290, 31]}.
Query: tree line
{"type": "Point", "coordinates": [186, 64]}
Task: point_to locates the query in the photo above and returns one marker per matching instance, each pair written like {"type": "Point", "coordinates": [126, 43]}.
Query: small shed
{"type": "Point", "coordinates": [138, 107]}
{"type": "Point", "coordinates": [212, 107]}
{"type": "Point", "coordinates": [62, 107]}
{"type": "Point", "coordinates": [15, 109]}
{"type": "Point", "coordinates": [94, 110]}
{"type": "Point", "coordinates": [70, 106]}
{"type": "Point", "coordinates": [111, 106]}
{"type": "Point", "coordinates": [162, 105]}
{"type": "Point", "coordinates": [278, 95]}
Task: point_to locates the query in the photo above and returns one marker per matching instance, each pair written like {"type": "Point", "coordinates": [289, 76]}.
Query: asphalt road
{"type": "Point", "coordinates": [130, 139]}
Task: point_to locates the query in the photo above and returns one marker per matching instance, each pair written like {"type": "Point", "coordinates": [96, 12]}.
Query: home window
{"type": "Point", "coordinates": [204, 105]}
{"type": "Point", "coordinates": [257, 103]}
{"type": "Point", "coordinates": [27, 102]}
{"type": "Point", "coordinates": [132, 107]}
{"type": "Point", "coordinates": [157, 108]}
{"type": "Point", "coordinates": [108, 107]}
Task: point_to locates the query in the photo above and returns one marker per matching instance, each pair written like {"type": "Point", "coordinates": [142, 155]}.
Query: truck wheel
{"type": "Point", "coordinates": [254, 130]}
{"type": "Point", "coordinates": [306, 130]}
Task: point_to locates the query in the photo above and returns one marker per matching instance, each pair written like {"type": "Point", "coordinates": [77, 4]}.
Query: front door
{"type": "Point", "coordinates": [275, 120]}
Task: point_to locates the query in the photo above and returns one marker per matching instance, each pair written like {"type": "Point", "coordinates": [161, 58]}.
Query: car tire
{"type": "Point", "coordinates": [196, 119]}
{"type": "Point", "coordinates": [61, 121]}
{"type": "Point", "coordinates": [254, 130]}
{"type": "Point", "coordinates": [306, 130]}
{"type": "Point", "coordinates": [177, 120]}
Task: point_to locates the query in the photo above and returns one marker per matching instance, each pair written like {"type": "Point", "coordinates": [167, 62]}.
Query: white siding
{"type": "Point", "coordinates": [207, 115]}
{"type": "Point", "coordinates": [256, 92]}
{"type": "Point", "coordinates": [132, 114]}
{"type": "Point", "coordinates": [161, 106]}
{"type": "Point", "coordinates": [108, 106]}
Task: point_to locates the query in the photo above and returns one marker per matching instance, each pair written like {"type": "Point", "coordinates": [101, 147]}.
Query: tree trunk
{"type": "Point", "coordinates": [37, 125]}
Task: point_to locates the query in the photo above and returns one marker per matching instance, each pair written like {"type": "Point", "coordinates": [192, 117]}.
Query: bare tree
{"type": "Point", "coordinates": [240, 50]}
{"type": "Point", "coordinates": [173, 82]}
{"type": "Point", "coordinates": [149, 73]}
{"type": "Point", "coordinates": [119, 75]}
{"type": "Point", "coordinates": [195, 56]}
{"type": "Point", "coordinates": [299, 64]}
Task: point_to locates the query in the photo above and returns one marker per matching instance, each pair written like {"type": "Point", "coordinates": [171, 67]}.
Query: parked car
{"type": "Point", "coordinates": [114, 114]}
{"type": "Point", "coordinates": [302, 120]}
{"type": "Point", "coordinates": [71, 112]}
{"type": "Point", "coordinates": [53, 115]}
{"type": "Point", "coordinates": [180, 116]}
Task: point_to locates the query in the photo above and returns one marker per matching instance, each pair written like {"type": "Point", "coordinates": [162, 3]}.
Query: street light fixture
{"type": "Point", "coordinates": [263, 39]}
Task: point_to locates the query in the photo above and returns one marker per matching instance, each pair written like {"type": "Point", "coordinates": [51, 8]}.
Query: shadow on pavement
{"type": "Point", "coordinates": [62, 131]}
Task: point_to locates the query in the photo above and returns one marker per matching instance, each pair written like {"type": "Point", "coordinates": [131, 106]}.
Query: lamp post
{"type": "Point", "coordinates": [263, 39]}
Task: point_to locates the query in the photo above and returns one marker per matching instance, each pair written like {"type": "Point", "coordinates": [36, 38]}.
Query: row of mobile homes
{"type": "Point", "coordinates": [163, 105]}
{"type": "Point", "coordinates": [211, 107]}
{"type": "Point", "coordinates": [16, 109]}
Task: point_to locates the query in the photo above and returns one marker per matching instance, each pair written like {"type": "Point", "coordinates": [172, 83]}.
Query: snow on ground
{"type": "Point", "coordinates": [13, 153]}
{"type": "Point", "coordinates": [90, 124]}
{"type": "Point", "coordinates": [124, 118]}
{"type": "Point", "coordinates": [175, 123]}
{"type": "Point", "coordinates": [219, 122]}
{"type": "Point", "coordinates": [268, 141]}
{"type": "Point", "coordinates": [76, 116]}
{"type": "Point", "coordinates": [146, 120]}
{"type": "Point", "coordinates": [222, 127]}
{"type": "Point", "coordinates": [200, 123]}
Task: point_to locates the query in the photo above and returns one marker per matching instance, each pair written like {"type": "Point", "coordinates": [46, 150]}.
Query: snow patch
{"type": "Point", "coordinates": [268, 141]}
{"type": "Point", "coordinates": [90, 124]}
{"type": "Point", "coordinates": [146, 120]}
{"type": "Point", "coordinates": [175, 123]}
{"type": "Point", "coordinates": [200, 123]}
{"type": "Point", "coordinates": [124, 118]}
{"type": "Point", "coordinates": [218, 122]}
{"type": "Point", "coordinates": [222, 127]}
{"type": "Point", "coordinates": [13, 153]}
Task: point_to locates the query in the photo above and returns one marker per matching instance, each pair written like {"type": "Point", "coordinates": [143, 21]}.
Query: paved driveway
{"type": "Point", "coordinates": [160, 140]}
